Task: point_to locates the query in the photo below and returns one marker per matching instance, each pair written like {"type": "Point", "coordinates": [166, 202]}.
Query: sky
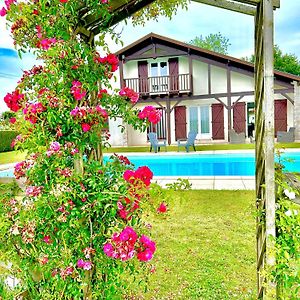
{"type": "Point", "coordinates": [198, 20]}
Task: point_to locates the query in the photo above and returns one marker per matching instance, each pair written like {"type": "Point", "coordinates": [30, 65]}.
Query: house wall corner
{"type": "Point", "coordinates": [297, 110]}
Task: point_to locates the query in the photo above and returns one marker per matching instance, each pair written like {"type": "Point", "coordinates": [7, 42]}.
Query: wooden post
{"type": "Point", "coordinates": [168, 111]}
{"type": "Point", "coordinates": [229, 98]}
{"type": "Point", "coordinates": [190, 72]}
{"type": "Point", "coordinates": [264, 151]}
{"type": "Point", "coordinates": [121, 71]}
{"type": "Point", "coordinates": [268, 42]}
{"type": "Point", "coordinates": [209, 77]}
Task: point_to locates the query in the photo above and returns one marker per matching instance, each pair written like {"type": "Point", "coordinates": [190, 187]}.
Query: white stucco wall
{"type": "Point", "coordinates": [117, 138]}
{"type": "Point", "coordinates": [200, 80]}
{"type": "Point", "coordinates": [183, 65]}
{"type": "Point", "coordinates": [135, 138]}
{"type": "Point", "coordinates": [218, 80]}
{"type": "Point", "coordinates": [241, 82]}
{"type": "Point", "coordinates": [130, 69]}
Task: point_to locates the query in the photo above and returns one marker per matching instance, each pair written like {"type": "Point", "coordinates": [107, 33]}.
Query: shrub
{"type": "Point", "coordinates": [6, 138]}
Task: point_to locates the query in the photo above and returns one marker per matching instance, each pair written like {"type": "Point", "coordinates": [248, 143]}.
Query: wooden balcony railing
{"type": "Point", "coordinates": [174, 84]}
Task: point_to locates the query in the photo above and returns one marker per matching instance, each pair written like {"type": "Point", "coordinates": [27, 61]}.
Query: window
{"type": "Point", "coordinates": [199, 120]}
{"type": "Point", "coordinates": [204, 116]}
{"type": "Point", "coordinates": [194, 119]}
{"type": "Point", "coordinates": [159, 80]}
{"type": "Point", "coordinates": [154, 70]}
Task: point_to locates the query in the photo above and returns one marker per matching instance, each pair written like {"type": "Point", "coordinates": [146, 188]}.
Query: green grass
{"type": "Point", "coordinates": [11, 156]}
{"type": "Point", "coordinates": [205, 247]}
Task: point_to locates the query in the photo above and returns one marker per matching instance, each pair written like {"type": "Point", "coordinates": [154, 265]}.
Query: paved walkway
{"type": "Point", "coordinates": [7, 166]}
{"type": "Point", "coordinates": [213, 182]}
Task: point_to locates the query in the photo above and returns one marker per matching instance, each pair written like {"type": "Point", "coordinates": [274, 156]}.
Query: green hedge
{"type": "Point", "coordinates": [6, 137]}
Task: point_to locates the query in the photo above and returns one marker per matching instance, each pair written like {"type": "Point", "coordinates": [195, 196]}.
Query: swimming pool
{"type": "Point", "coordinates": [221, 164]}
{"type": "Point", "coordinates": [226, 164]}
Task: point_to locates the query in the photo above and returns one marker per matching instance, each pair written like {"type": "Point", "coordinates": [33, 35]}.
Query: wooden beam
{"type": "Point", "coordinates": [120, 13]}
{"type": "Point", "coordinates": [288, 97]}
{"type": "Point", "coordinates": [191, 71]}
{"type": "Point", "coordinates": [168, 112]}
{"type": "Point", "coordinates": [121, 71]}
{"type": "Point", "coordinates": [228, 76]}
{"type": "Point", "coordinates": [276, 3]}
{"type": "Point", "coordinates": [239, 99]}
{"type": "Point", "coordinates": [172, 108]}
{"type": "Point", "coordinates": [230, 5]}
{"type": "Point", "coordinates": [209, 77]}
{"type": "Point", "coordinates": [145, 56]}
{"type": "Point", "coordinates": [216, 95]}
{"type": "Point", "coordinates": [219, 100]}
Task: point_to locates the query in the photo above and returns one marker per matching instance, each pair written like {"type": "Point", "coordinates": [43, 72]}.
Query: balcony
{"type": "Point", "coordinates": [161, 85]}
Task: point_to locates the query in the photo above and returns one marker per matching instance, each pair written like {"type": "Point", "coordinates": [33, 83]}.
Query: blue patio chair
{"type": "Point", "coordinates": [155, 144]}
{"type": "Point", "coordinates": [189, 142]}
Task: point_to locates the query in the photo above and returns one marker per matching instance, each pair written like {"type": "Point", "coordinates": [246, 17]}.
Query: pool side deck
{"type": "Point", "coordinates": [212, 182]}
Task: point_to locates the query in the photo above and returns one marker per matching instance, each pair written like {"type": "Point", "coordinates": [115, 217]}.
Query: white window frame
{"type": "Point", "coordinates": [201, 135]}
{"type": "Point", "coordinates": [155, 86]}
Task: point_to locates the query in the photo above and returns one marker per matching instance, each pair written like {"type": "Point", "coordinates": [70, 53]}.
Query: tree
{"type": "Point", "coordinates": [214, 42]}
{"type": "Point", "coordinates": [288, 63]}
{"type": "Point", "coordinates": [78, 232]}
{"type": "Point", "coordinates": [158, 8]}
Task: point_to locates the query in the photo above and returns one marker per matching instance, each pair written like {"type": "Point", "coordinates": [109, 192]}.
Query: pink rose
{"type": "Point", "coordinates": [162, 208]}
{"type": "Point", "coordinates": [145, 255]}
{"type": "Point", "coordinates": [85, 127]}
{"type": "Point", "coordinates": [3, 11]}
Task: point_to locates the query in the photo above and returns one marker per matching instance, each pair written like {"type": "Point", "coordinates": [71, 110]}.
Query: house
{"type": "Point", "coordinates": [197, 90]}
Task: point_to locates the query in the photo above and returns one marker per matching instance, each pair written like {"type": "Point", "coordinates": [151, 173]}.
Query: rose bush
{"type": "Point", "coordinates": [286, 272]}
{"type": "Point", "coordinates": [79, 227]}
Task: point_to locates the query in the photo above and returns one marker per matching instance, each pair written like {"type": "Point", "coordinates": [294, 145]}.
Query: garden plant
{"type": "Point", "coordinates": [78, 233]}
{"type": "Point", "coordinates": [286, 271]}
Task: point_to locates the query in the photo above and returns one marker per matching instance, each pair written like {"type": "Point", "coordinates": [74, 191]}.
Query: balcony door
{"type": "Point", "coordinates": [159, 80]}
{"type": "Point", "coordinates": [174, 74]}
{"type": "Point", "coordinates": [199, 121]}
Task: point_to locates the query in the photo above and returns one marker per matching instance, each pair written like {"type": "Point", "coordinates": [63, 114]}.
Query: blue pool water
{"type": "Point", "coordinates": [242, 164]}
{"type": "Point", "coordinates": [230, 164]}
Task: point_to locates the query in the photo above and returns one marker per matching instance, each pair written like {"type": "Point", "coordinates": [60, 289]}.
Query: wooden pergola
{"type": "Point", "coordinates": [262, 10]}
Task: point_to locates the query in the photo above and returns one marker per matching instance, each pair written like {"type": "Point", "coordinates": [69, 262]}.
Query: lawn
{"type": "Point", "coordinates": [11, 157]}
{"type": "Point", "coordinates": [205, 247]}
